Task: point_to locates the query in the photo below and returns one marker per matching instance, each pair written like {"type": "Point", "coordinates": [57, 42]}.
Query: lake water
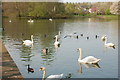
{"type": "Point", "coordinates": [65, 58]}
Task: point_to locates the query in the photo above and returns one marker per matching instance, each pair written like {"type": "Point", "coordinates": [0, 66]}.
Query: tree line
{"type": "Point", "coordinates": [56, 9]}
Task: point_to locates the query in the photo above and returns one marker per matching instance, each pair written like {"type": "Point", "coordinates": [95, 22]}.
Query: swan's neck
{"type": "Point", "coordinates": [59, 33]}
{"type": "Point", "coordinates": [31, 38]}
{"type": "Point", "coordinates": [105, 41]}
{"type": "Point", "coordinates": [80, 57]}
{"type": "Point", "coordinates": [56, 39]}
{"type": "Point", "coordinates": [44, 74]}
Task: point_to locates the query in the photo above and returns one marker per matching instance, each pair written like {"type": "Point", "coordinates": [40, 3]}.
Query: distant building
{"type": "Point", "coordinates": [93, 10]}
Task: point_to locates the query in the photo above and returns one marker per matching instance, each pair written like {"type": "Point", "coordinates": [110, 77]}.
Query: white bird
{"type": "Point", "coordinates": [58, 36]}
{"type": "Point", "coordinates": [50, 19]}
{"type": "Point", "coordinates": [109, 44]}
{"type": "Point", "coordinates": [28, 42]}
{"type": "Point", "coordinates": [51, 77]}
{"type": "Point", "coordinates": [103, 38]}
{"type": "Point", "coordinates": [31, 20]}
{"type": "Point", "coordinates": [56, 43]}
{"type": "Point", "coordinates": [87, 60]}
{"type": "Point", "coordinates": [10, 21]}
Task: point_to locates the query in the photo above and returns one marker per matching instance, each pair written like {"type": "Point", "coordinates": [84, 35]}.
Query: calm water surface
{"type": "Point", "coordinates": [65, 58]}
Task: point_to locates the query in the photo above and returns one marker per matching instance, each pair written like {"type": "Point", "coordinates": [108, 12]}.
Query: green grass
{"type": "Point", "coordinates": [108, 16]}
{"type": "Point", "coordinates": [99, 16]}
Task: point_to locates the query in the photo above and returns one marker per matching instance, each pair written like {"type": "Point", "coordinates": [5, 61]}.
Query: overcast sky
{"type": "Point", "coordinates": [90, 0]}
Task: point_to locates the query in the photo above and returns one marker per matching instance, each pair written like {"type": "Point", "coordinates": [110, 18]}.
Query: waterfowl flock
{"type": "Point", "coordinates": [89, 61]}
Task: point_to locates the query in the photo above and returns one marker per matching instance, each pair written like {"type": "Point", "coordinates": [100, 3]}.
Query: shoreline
{"type": "Point", "coordinates": [73, 16]}
{"type": "Point", "coordinates": [8, 67]}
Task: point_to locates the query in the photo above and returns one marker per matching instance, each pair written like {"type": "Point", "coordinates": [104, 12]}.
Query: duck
{"type": "Point", "coordinates": [81, 34]}
{"type": "Point", "coordinates": [109, 44]}
{"type": "Point", "coordinates": [45, 50]}
{"type": "Point", "coordinates": [59, 76]}
{"type": "Point", "coordinates": [87, 38]}
{"type": "Point", "coordinates": [28, 42]}
{"type": "Point", "coordinates": [30, 69]}
{"type": "Point", "coordinates": [96, 36]}
{"type": "Point", "coordinates": [88, 59]}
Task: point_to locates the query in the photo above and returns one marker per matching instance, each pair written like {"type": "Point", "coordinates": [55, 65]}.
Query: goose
{"type": "Point", "coordinates": [50, 19]}
{"type": "Point", "coordinates": [103, 38]}
{"type": "Point", "coordinates": [56, 43]}
{"type": "Point", "coordinates": [109, 44]}
{"type": "Point", "coordinates": [30, 69]}
{"type": "Point", "coordinates": [28, 42]}
{"type": "Point", "coordinates": [87, 60]}
{"type": "Point", "coordinates": [51, 76]}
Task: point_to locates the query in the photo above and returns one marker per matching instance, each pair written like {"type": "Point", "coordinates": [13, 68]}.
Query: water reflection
{"type": "Point", "coordinates": [25, 53]}
{"type": "Point", "coordinates": [88, 66]}
{"type": "Point", "coordinates": [48, 56]}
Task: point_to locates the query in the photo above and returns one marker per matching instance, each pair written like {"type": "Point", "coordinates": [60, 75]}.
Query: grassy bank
{"type": "Point", "coordinates": [98, 16]}
{"type": "Point", "coordinates": [108, 16]}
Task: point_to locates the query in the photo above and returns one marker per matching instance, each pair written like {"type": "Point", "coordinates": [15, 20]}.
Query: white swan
{"type": "Point", "coordinates": [50, 19]}
{"type": "Point", "coordinates": [10, 21]}
{"type": "Point", "coordinates": [103, 38]}
{"type": "Point", "coordinates": [109, 44]}
{"type": "Point", "coordinates": [87, 60]}
{"type": "Point", "coordinates": [56, 43]}
{"type": "Point", "coordinates": [51, 77]}
{"type": "Point", "coordinates": [58, 36]}
{"type": "Point", "coordinates": [28, 42]}
{"type": "Point", "coordinates": [30, 20]}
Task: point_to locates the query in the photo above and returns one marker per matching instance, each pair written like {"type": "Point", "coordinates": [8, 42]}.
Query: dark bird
{"type": "Point", "coordinates": [81, 34]}
{"type": "Point", "coordinates": [46, 50]}
{"type": "Point", "coordinates": [87, 37]}
{"type": "Point", "coordinates": [65, 37]}
{"type": "Point", "coordinates": [3, 28]}
{"type": "Point", "coordinates": [69, 75]}
{"type": "Point", "coordinates": [96, 36]}
{"type": "Point", "coordinates": [30, 69]}
{"type": "Point", "coordinates": [75, 33]}
{"type": "Point", "coordinates": [22, 34]}
{"type": "Point", "coordinates": [45, 35]}
{"type": "Point", "coordinates": [77, 36]}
